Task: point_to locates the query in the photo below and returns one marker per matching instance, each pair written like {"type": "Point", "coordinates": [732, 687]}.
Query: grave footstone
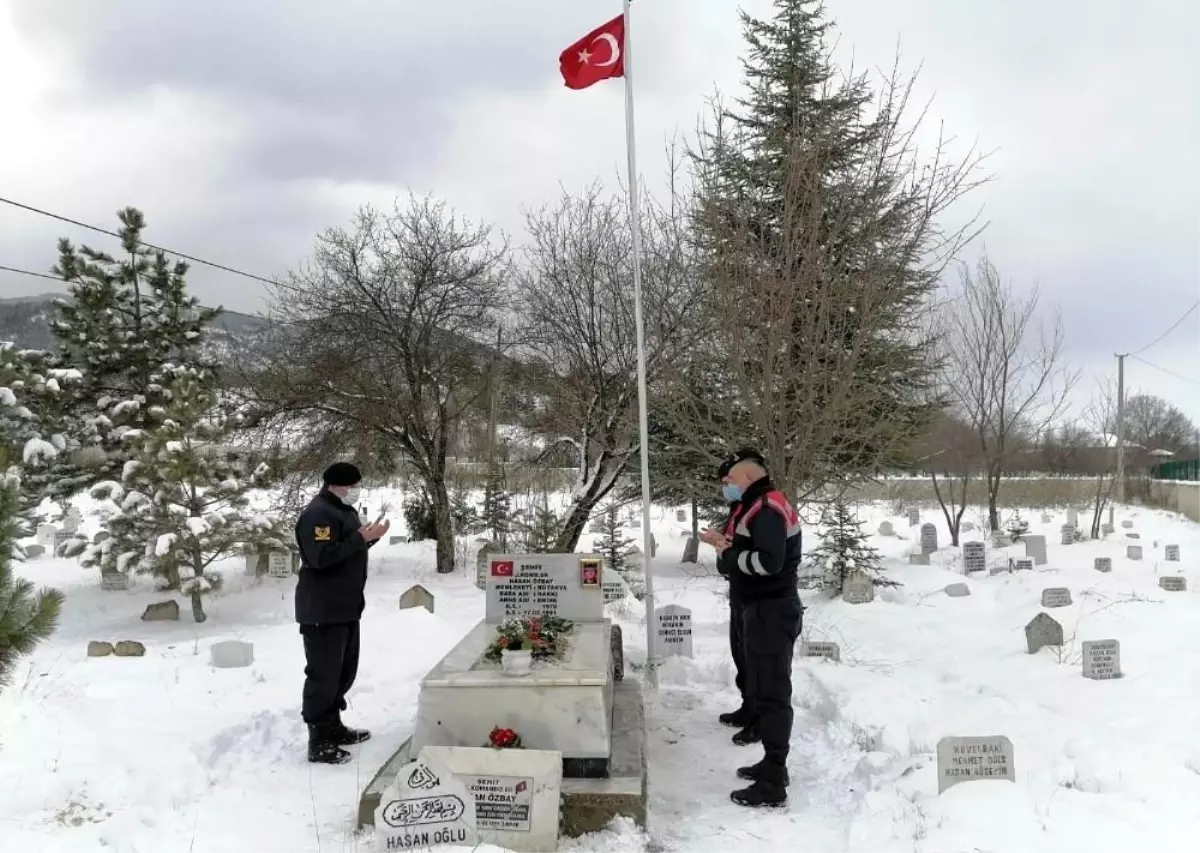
{"type": "Point", "coordinates": [914, 516]}
{"type": "Point", "coordinates": [1133, 552]}
{"type": "Point", "coordinates": [1172, 553]}
{"type": "Point", "coordinates": [857, 588]}
{"type": "Point", "coordinates": [1042, 631]}
{"type": "Point", "coordinates": [1035, 547]}
{"type": "Point", "coordinates": [416, 596]}
{"type": "Point", "coordinates": [1023, 564]}
{"type": "Point", "coordinates": [1073, 517]}
{"type": "Point", "coordinates": [279, 564]}
{"type": "Point", "coordinates": [426, 806]}
{"type": "Point", "coordinates": [1101, 659]}
{"type": "Point", "coordinates": [1068, 534]}
{"type": "Point", "coordinates": [928, 538]}
{"type": "Point", "coordinates": [614, 587]}
{"type": "Point", "coordinates": [673, 630]}
{"type": "Point", "coordinates": [163, 611]}
{"type": "Point", "coordinates": [681, 515]}
{"type": "Point", "coordinates": [974, 557]}
{"type": "Point", "coordinates": [1133, 536]}
{"type": "Point", "coordinates": [972, 759]}
{"type": "Point", "coordinates": [918, 558]}
{"type": "Point", "coordinates": [1103, 564]}
{"type": "Point", "coordinates": [967, 526]}
{"type": "Point", "coordinates": [482, 559]}
{"type": "Point", "coordinates": [114, 581]}
{"type": "Point", "coordinates": [129, 649]}
{"type": "Point", "coordinates": [1127, 524]}
{"type": "Point", "coordinates": [99, 649]}
{"type": "Point", "coordinates": [1106, 529]}
{"type": "Point", "coordinates": [231, 654]}
{"type": "Point", "coordinates": [1056, 596]}
{"type": "Point", "coordinates": [886, 529]}
{"type": "Point", "coordinates": [1047, 518]}
{"type": "Point", "coordinates": [1173, 583]}
{"type": "Point", "coordinates": [691, 550]}
{"type": "Point", "coordinates": [32, 552]}
{"type": "Point", "coordinates": [829, 651]}
{"type": "Point", "coordinates": [957, 590]}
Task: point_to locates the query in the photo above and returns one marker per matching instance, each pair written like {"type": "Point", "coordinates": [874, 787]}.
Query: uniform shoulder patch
{"type": "Point", "coordinates": [321, 533]}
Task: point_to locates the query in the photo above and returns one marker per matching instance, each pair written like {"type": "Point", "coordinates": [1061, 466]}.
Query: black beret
{"type": "Point", "coordinates": [746, 454]}
{"type": "Point", "coordinates": [342, 474]}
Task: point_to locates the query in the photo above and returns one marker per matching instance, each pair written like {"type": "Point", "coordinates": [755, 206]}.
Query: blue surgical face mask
{"type": "Point", "coordinates": [731, 492]}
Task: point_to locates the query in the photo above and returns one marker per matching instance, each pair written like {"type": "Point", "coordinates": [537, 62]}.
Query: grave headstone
{"type": "Point", "coordinates": [858, 589]}
{"type": "Point", "coordinates": [957, 590]}
{"type": "Point", "coordinates": [971, 759]}
{"type": "Point", "coordinates": [46, 534]}
{"type": "Point", "coordinates": [71, 521]}
{"type": "Point", "coordinates": [1002, 569]}
{"type": "Point", "coordinates": [691, 550]}
{"type": "Point", "coordinates": [231, 654]}
{"type": "Point", "coordinates": [129, 649]}
{"type": "Point", "coordinates": [114, 581]}
{"type": "Point", "coordinates": [1068, 534]}
{"type": "Point", "coordinates": [1133, 552]}
{"type": "Point", "coordinates": [1056, 596]}
{"type": "Point", "coordinates": [974, 557]}
{"type": "Point", "coordinates": [829, 651]}
{"type": "Point", "coordinates": [1073, 517]}
{"type": "Point", "coordinates": [1103, 564]}
{"type": "Point", "coordinates": [1133, 536]}
{"type": "Point", "coordinates": [482, 561]}
{"type": "Point", "coordinates": [1042, 631]}
{"type": "Point", "coordinates": [1047, 518]}
{"type": "Point", "coordinates": [416, 596]}
{"type": "Point", "coordinates": [886, 529]}
{"type": "Point", "coordinates": [563, 585]}
{"type": "Point", "coordinates": [1127, 524]}
{"type": "Point", "coordinates": [673, 630]}
{"type": "Point", "coordinates": [163, 611]}
{"type": "Point", "coordinates": [1101, 659]}
{"type": "Point", "coordinates": [279, 564]}
{"type": "Point", "coordinates": [32, 552]}
{"type": "Point", "coordinates": [1023, 564]}
{"type": "Point", "coordinates": [681, 515]}
{"type": "Point", "coordinates": [99, 649]}
{"type": "Point", "coordinates": [914, 516]}
{"type": "Point", "coordinates": [928, 538]}
{"type": "Point", "coordinates": [614, 587]}
{"type": "Point", "coordinates": [917, 558]}
{"type": "Point", "coordinates": [426, 806]}
{"type": "Point", "coordinates": [1172, 553]}
{"type": "Point", "coordinates": [967, 526]}
{"type": "Point", "coordinates": [397, 540]}
{"type": "Point", "coordinates": [1000, 539]}
{"type": "Point", "coordinates": [1173, 583]}
{"type": "Point", "coordinates": [1106, 529]}
{"type": "Point", "coordinates": [1035, 547]}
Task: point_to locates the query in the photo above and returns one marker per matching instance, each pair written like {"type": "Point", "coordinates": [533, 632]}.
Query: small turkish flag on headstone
{"type": "Point", "coordinates": [502, 568]}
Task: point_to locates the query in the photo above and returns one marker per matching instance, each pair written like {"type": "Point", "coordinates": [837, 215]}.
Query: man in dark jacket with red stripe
{"type": "Point", "coordinates": [741, 718]}
{"type": "Point", "coordinates": [761, 559]}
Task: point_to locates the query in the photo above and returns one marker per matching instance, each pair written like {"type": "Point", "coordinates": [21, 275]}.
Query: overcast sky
{"type": "Point", "coordinates": [242, 129]}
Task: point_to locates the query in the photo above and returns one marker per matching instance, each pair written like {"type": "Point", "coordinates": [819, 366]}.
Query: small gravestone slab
{"type": "Point", "coordinates": [613, 588]}
{"type": "Point", "coordinates": [1103, 564]}
{"type": "Point", "coordinates": [1047, 518]}
{"type": "Point", "coordinates": [32, 552]}
{"type": "Point", "coordinates": [858, 589]}
{"type": "Point", "coordinates": [886, 529]}
{"type": "Point", "coordinates": [673, 630]}
{"type": "Point", "coordinates": [1106, 529]}
{"type": "Point", "coordinates": [974, 557]}
{"type": "Point", "coordinates": [918, 559]}
{"type": "Point", "coordinates": [1073, 517]}
{"type": "Point", "coordinates": [914, 516]}
{"type": "Point", "coordinates": [114, 581]}
{"type": "Point", "coordinates": [1001, 569]}
{"type": "Point", "coordinates": [1172, 553]}
{"type": "Point", "coordinates": [46, 534]}
{"type": "Point", "coordinates": [129, 649]}
{"type": "Point", "coordinates": [691, 550]}
{"type": "Point", "coordinates": [231, 654]}
{"type": "Point", "coordinates": [1042, 631]}
{"type": "Point", "coordinates": [1133, 552]}
{"type": "Point", "coordinates": [928, 538]}
{"type": "Point", "coordinates": [426, 806]}
{"type": "Point", "coordinates": [482, 558]}
{"type": "Point", "coordinates": [973, 759]}
{"type": "Point", "coordinates": [957, 590]}
{"type": "Point", "coordinates": [1133, 536]}
{"type": "Point", "coordinates": [1000, 539]}
{"type": "Point", "coordinates": [163, 611]}
{"type": "Point", "coordinates": [1101, 659]}
{"type": "Point", "coordinates": [681, 515]}
{"type": "Point", "coordinates": [1127, 524]}
{"type": "Point", "coordinates": [416, 596]}
{"type": "Point", "coordinates": [829, 651]}
{"type": "Point", "coordinates": [1035, 547]}
{"type": "Point", "coordinates": [1023, 564]}
{"type": "Point", "coordinates": [397, 540]}
{"type": "Point", "coordinates": [1056, 596]}
{"type": "Point", "coordinates": [279, 564]}
{"type": "Point", "coordinates": [1173, 583]}
{"type": "Point", "coordinates": [99, 649]}
{"type": "Point", "coordinates": [1068, 534]}
{"type": "Point", "coordinates": [967, 526]}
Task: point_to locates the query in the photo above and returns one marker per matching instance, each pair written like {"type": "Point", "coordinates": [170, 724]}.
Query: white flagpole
{"type": "Point", "coordinates": [643, 416]}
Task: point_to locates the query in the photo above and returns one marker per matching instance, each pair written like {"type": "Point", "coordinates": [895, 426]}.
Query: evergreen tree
{"type": "Point", "coordinates": [462, 512]}
{"type": "Point", "coordinates": [843, 550]}
{"type": "Point", "coordinates": [183, 494]}
{"type": "Point", "coordinates": [538, 527]}
{"type": "Point", "coordinates": [617, 548]}
{"type": "Point", "coordinates": [122, 320]}
{"type": "Point", "coordinates": [497, 507]}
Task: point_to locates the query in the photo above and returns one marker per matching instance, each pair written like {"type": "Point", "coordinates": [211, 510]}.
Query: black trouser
{"type": "Point", "coordinates": [737, 648]}
{"type": "Point", "coordinates": [331, 663]}
{"type": "Point", "coordinates": [770, 628]}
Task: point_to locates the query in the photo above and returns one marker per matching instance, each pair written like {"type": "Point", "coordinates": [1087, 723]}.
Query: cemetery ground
{"type": "Point", "coordinates": [166, 753]}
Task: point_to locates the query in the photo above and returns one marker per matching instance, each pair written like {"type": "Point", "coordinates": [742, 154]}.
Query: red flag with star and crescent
{"type": "Point", "coordinates": [600, 55]}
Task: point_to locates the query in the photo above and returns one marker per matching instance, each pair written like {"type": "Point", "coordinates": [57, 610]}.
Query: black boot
{"type": "Point", "coordinates": [344, 736]}
{"type": "Point", "coordinates": [739, 719]}
{"type": "Point", "coordinates": [747, 736]}
{"type": "Point", "coordinates": [323, 748]}
{"type": "Point", "coordinates": [761, 795]}
{"type": "Point", "coordinates": [764, 772]}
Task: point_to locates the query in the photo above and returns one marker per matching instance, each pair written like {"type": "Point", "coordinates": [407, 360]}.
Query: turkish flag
{"type": "Point", "coordinates": [597, 56]}
{"type": "Point", "coordinates": [502, 568]}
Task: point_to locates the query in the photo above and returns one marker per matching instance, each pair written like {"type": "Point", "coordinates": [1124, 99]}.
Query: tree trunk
{"type": "Point", "coordinates": [695, 521]}
{"type": "Point", "coordinates": [443, 525]}
{"type": "Point", "coordinates": [993, 490]}
{"type": "Point", "coordinates": [572, 529]}
{"type": "Point", "coordinates": [198, 607]}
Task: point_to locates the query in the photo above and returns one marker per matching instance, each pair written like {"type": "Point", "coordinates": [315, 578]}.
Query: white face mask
{"type": "Point", "coordinates": [352, 496]}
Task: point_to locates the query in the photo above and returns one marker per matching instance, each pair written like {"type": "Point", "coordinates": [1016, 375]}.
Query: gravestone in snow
{"type": "Point", "coordinates": [957, 590]}
{"type": "Point", "coordinates": [1173, 583]}
{"type": "Point", "coordinates": [918, 558]}
{"type": "Point", "coordinates": [1101, 659]}
{"type": "Point", "coordinates": [1042, 631]}
{"type": "Point", "coordinates": [974, 557]}
{"type": "Point", "coordinates": [691, 550]}
{"type": "Point", "coordinates": [231, 654]}
{"type": "Point", "coordinates": [914, 516]}
{"type": "Point", "coordinates": [1073, 517]}
{"type": "Point", "coordinates": [163, 611]}
{"type": "Point", "coordinates": [971, 759]}
{"type": "Point", "coordinates": [613, 588]}
{"type": "Point", "coordinates": [886, 529]}
{"type": "Point", "coordinates": [928, 538]}
{"type": "Point", "coordinates": [967, 526]}
{"type": "Point", "coordinates": [1023, 564]}
{"type": "Point", "coordinates": [681, 515]}
{"type": "Point", "coordinates": [416, 596]}
{"type": "Point", "coordinates": [1106, 529]}
{"type": "Point", "coordinates": [397, 540]}
{"type": "Point", "coordinates": [1035, 547]}
{"type": "Point", "coordinates": [32, 552]}
{"type": "Point", "coordinates": [1047, 518]}
{"type": "Point", "coordinates": [1056, 596]}
{"type": "Point", "coordinates": [829, 651]}
{"type": "Point", "coordinates": [1133, 536]}
{"type": "Point", "coordinates": [858, 589]}
{"type": "Point", "coordinates": [1172, 553]}
{"type": "Point", "coordinates": [481, 563]}
{"type": "Point", "coordinates": [673, 630]}
{"type": "Point", "coordinates": [426, 806]}
{"type": "Point", "coordinates": [1103, 564]}
{"type": "Point", "coordinates": [279, 564]}
{"type": "Point", "coordinates": [1127, 524]}
{"type": "Point", "coordinates": [114, 581]}
{"type": "Point", "coordinates": [1133, 552]}
{"type": "Point", "coordinates": [1068, 534]}
{"type": "Point", "coordinates": [1001, 569]}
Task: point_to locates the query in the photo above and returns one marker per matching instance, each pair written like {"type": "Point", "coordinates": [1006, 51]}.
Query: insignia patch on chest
{"type": "Point", "coordinates": [321, 534]}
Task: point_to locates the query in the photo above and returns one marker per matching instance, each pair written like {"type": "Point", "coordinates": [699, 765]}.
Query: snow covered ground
{"type": "Point", "coordinates": [163, 753]}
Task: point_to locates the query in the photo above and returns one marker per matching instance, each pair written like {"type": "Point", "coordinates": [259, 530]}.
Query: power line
{"type": "Point", "coordinates": [99, 230]}
{"type": "Point", "coordinates": [1164, 370]}
{"type": "Point", "coordinates": [31, 272]}
{"type": "Point", "coordinates": [1168, 331]}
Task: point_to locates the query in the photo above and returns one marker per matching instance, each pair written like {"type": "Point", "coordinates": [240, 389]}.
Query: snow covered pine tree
{"type": "Point", "coordinates": [844, 549]}
{"type": "Point", "coordinates": [618, 549]}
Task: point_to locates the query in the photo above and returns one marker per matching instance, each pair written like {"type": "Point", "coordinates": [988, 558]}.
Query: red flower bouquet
{"type": "Point", "coordinates": [504, 739]}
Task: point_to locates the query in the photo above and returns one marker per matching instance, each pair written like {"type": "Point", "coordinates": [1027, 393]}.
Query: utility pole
{"type": "Point", "coordinates": [1121, 427]}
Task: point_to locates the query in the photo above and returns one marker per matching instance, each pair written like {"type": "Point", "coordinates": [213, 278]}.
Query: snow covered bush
{"type": "Point", "coordinates": [1017, 527]}
{"type": "Point", "coordinates": [619, 550]}
{"type": "Point", "coordinates": [843, 549]}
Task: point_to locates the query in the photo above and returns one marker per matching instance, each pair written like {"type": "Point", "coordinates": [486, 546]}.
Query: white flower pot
{"type": "Point", "coordinates": [516, 661]}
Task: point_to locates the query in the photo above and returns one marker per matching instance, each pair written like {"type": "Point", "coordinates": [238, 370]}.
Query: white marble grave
{"type": "Point", "coordinates": [1101, 659]}
{"type": "Point", "coordinates": [425, 807]}
{"type": "Point", "coordinates": [968, 759]}
{"type": "Point", "coordinates": [829, 651]}
{"type": "Point", "coordinates": [673, 630]}
{"type": "Point", "coordinates": [1073, 517]}
{"type": "Point", "coordinates": [565, 585]}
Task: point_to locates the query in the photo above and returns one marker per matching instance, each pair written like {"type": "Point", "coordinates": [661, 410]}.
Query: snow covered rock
{"type": "Point", "coordinates": [231, 654]}
{"type": "Point", "coordinates": [163, 611]}
{"type": "Point", "coordinates": [129, 649]}
{"type": "Point", "coordinates": [99, 649]}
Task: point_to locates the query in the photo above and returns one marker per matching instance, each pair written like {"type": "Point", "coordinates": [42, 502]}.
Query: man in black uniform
{"type": "Point", "coordinates": [329, 604]}
{"type": "Point", "coordinates": [741, 718]}
{"type": "Point", "coordinates": [761, 559]}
